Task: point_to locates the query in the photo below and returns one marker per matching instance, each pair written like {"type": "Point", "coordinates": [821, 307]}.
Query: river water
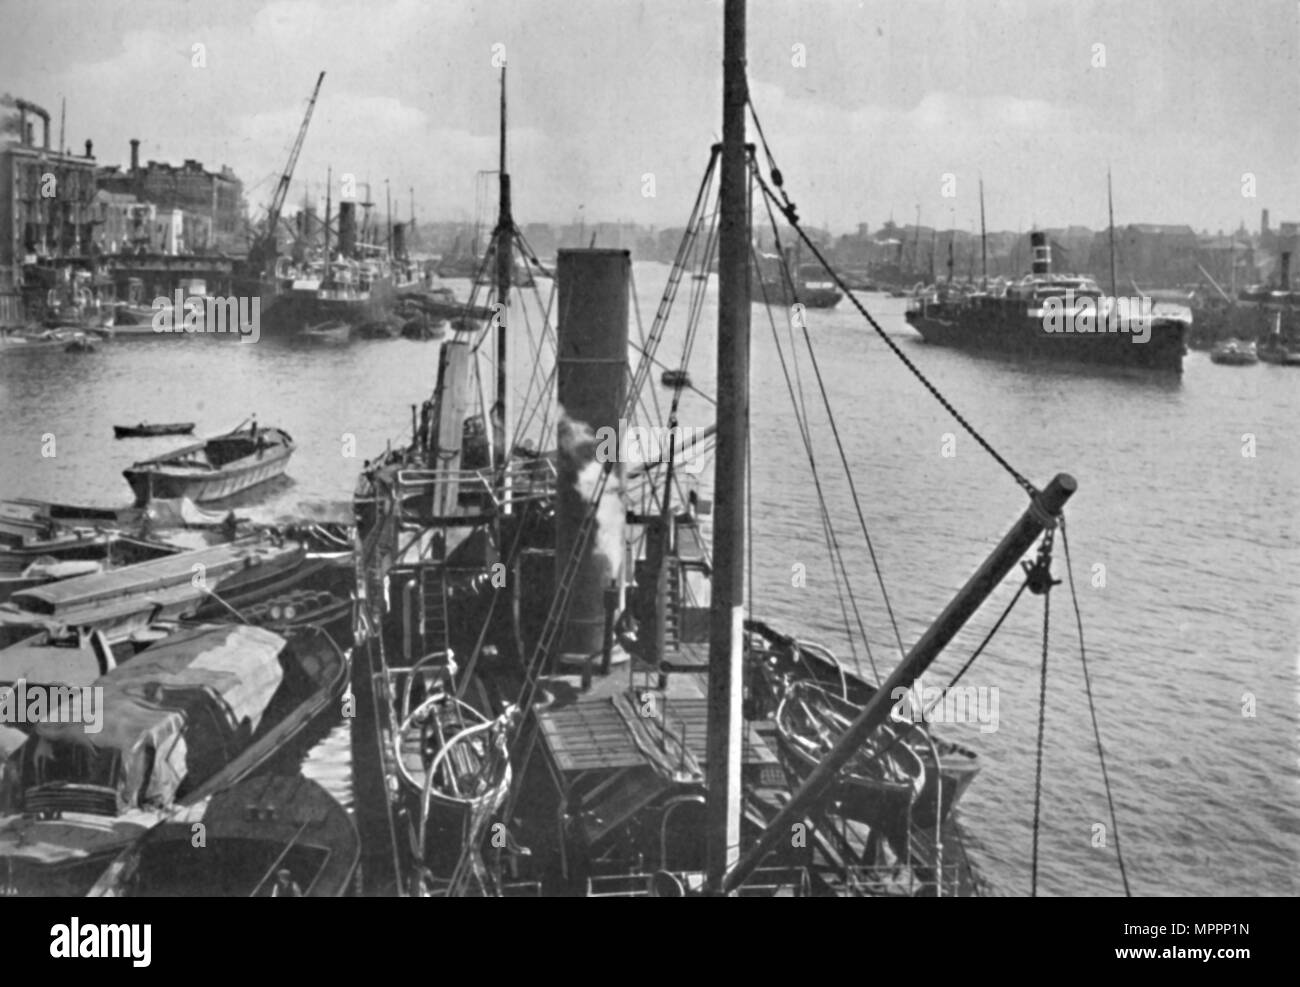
{"type": "Point", "coordinates": [1184, 534]}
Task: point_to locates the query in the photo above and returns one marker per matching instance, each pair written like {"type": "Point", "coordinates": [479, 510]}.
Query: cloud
{"type": "Point", "coordinates": [890, 99]}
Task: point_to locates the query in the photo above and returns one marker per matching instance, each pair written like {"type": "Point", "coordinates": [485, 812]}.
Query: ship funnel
{"type": "Point", "coordinates": [399, 241]}
{"type": "Point", "coordinates": [1284, 271]}
{"type": "Point", "coordinates": [347, 228]}
{"type": "Point", "coordinates": [1041, 252]}
{"type": "Point", "coordinates": [592, 337]}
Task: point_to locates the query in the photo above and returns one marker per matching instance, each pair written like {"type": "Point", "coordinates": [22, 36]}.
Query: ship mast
{"type": "Point", "coordinates": [916, 243]}
{"type": "Point", "coordinates": [1110, 206]}
{"type": "Point", "coordinates": [329, 188]}
{"type": "Point", "coordinates": [726, 632]}
{"type": "Point", "coordinates": [504, 272]}
{"type": "Point", "coordinates": [984, 240]}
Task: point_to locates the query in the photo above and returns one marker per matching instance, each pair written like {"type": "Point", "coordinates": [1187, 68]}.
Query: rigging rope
{"type": "Point", "coordinates": [1038, 577]}
{"type": "Point", "coordinates": [1092, 709]}
{"type": "Point", "coordinates": [833, 548]}
{"type": "Point", "coordinates": [1038, 759]}
{"type": "Point", "coordinates": [835, 432]}
{"type": "Point", "coordinates": [787, 209]}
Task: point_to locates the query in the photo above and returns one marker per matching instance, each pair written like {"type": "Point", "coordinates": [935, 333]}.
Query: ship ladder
{"type": "Point", "coordinates": [433, 609]}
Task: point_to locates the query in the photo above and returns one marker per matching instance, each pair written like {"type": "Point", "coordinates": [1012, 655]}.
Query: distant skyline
{"type": "Point", "coordinates": [871, 108]}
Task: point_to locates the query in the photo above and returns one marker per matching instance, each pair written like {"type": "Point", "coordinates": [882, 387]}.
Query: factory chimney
{"type": "Point", "coordinates": [1041, 253]}
{"type": "Point", "coordinates": [135, 155]}
{"type": "Point", "coordinates": [347, 228]}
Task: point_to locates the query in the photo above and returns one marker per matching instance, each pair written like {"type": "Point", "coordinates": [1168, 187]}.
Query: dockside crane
{"type": "Point", "coordinates": [262, 254]}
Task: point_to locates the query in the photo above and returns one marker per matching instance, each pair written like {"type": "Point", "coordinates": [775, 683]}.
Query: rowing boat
{"type": "Point", "coordinates": [774, 659]}
{"type": "Point", "coordinates": [215, 468]}
{"type": "Point", "coordinates": [144, 429]}
{"type": "Point", "coordinates": [882, 781]}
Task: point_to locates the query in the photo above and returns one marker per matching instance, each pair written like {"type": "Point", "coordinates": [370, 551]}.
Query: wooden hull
{"type": "Point", "coordinates": [945, 781]}
{"type": "Point", "coordinates": [82, 853]}
{"type": "Point", "coordinates": [1234, 359]}
{"type": "Point", "coordinates": [879, 788]}
{"type": "Point", "coordinates": [253, 831]}
{"type": "Point", "coordinates": [880, 805]}
{"type": "Point", "coordinates": [179, 475]}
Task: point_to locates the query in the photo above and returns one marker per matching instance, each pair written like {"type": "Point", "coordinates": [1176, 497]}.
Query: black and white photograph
{"type": "Point", "coordinates": [650, 448]}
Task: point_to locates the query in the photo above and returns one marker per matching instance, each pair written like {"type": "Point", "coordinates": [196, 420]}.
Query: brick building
{"type": "Point", "coordinates": [217, 197]}
{"type": "Point", "coordinates": [47, 204]}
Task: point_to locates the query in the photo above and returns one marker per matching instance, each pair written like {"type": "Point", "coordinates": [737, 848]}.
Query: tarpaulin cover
{"type": "Point", "coordinates": [178, 710]}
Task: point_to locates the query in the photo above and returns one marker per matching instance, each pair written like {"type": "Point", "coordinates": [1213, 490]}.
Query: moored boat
{"type": "Point", "coordinates": [1234, 353]}
{"type": "Point", "coordinates": [123, 600]}
{"type": "Point", "coordinates": [332, 331]}
{"type": "Point", "coordinates": [268, 837]}
{"type": "Point", "coordinates": [215, 468]}
{"type": "Point", "coordinates": [144, 429]}
{"type": "Point", "coordinates": [181, 721]}
{"type": "Point", "coordinates": [805, 284]}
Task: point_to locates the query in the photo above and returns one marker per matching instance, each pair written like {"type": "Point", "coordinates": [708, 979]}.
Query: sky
{"type": "Point", "coordinates": [872, 109]}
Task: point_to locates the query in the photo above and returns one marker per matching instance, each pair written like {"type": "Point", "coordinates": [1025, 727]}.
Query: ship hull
{"type": "Point", "coordinates": [291, 310]}
{"type": "Point", "coordinates": [771, 291]}
{"type": "Point", "coordinates": [149, 485]}
{"type": "Point", "coordinates": [1006, 329]}
{"type": "Point", "coordinates": [212, 470]}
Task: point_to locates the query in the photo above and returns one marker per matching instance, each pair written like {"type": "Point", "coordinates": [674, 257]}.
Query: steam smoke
{"type": "Point", "coordinates": [577, 448]}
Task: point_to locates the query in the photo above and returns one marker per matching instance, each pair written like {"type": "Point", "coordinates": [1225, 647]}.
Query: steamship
{"type": "Point", "coordinates": [559, 686]}
{"type": "Point", "coordinates": [1016, 320]}
{"type": "Point", "coordinates": [534, 634]}
{"type": "Point", "coordinates": [806, 283]}
{"type": "Point", "coordinates": [353, 284]}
